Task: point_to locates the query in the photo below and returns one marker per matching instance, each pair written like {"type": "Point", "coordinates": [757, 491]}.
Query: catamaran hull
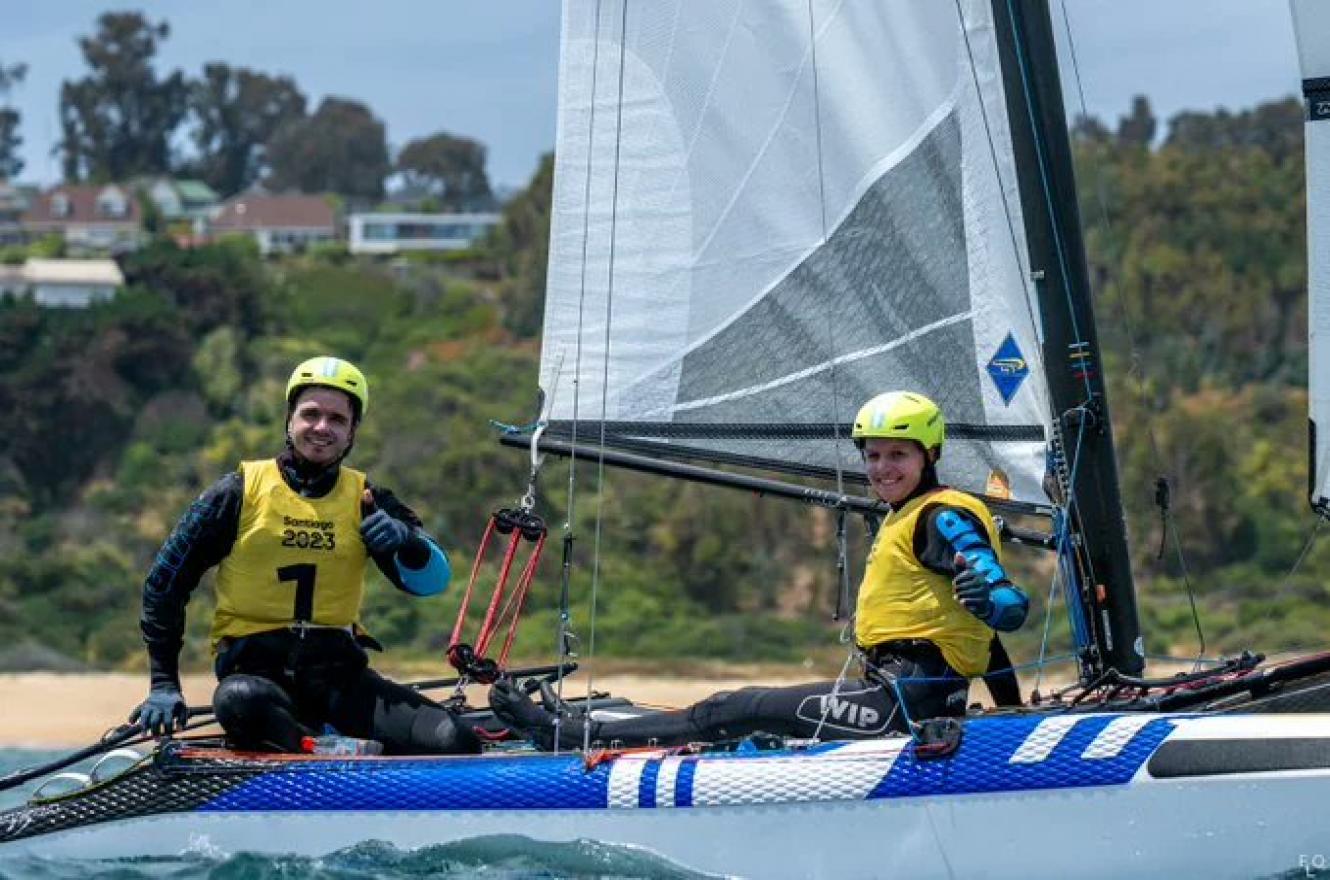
{"type": "Point", "coordinates": [1212, 828]}
{"type": "Point", "coordinates": [1066, 796]}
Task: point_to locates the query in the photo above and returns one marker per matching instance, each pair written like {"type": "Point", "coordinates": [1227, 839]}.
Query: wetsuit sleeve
{"type": "Point", "coordinates": [203, 538]}
{"type": "Point", "coordinates": [420, 567]}
{"type": "Point", "coordinates": [933, 549]}
{"type": "Point", "coordinates": [944, 532]}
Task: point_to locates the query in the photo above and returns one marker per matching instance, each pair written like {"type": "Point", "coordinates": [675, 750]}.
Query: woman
{"type": "Point", "coordinates": [934, 591]}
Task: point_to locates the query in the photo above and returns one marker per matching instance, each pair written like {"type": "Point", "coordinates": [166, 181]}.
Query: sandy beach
{"type": "Point", "coordinates": [45, 710]}
{"type": "Point", "coordinates": [50, 710]}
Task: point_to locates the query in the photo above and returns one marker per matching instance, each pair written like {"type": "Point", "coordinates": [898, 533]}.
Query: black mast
{"type": "Point", "coordinates": [1071, 344]}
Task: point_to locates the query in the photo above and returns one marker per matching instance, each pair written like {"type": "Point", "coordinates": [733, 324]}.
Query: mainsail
{"type": "Point", "coordinates": [1311, 23]}
{"type": "Point", "coordinates": [765, 213]}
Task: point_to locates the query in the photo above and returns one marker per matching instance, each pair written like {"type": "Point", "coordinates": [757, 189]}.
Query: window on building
{"type": "Point", "coordinates": [112, 203]}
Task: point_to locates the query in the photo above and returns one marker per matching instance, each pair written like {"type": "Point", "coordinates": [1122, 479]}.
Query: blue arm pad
{"type": "Point", "coordinates": [966, 540]}
{"type": "Point", "coordinates": [429, 580]}
{"type": "Point", "coordinates": [1010, 604]}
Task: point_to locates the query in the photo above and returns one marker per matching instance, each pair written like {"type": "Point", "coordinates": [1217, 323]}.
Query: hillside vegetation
{"type": "Point", "coordinates": [119, 415]}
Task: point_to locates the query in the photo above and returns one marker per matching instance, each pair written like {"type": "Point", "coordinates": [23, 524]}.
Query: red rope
{"type": "Point", "coordinates": [491, 613]}
{"type": "Point", "coordinates": [471, 661]}
{"type": "Point", "coordinates": [520, 594]}
{"type": "Point", "coordinates": [456, 637]}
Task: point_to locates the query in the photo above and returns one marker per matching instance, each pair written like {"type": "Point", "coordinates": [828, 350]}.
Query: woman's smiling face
{"type": "Point", "coordinates": [894, 467]}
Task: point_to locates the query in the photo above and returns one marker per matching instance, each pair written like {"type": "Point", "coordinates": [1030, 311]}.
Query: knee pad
{"type": "Point", "coordinates": [440, 732]}
{"type": "Point", "coordinates": [255, 712]}
{"type": "Point", "coordinates": [239, 697]}
{"type": "Point", "coordinates": [719, 713]}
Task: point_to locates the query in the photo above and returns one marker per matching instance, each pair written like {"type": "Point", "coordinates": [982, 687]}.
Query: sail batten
{"type": "Point", "coordinates": [765, 218]}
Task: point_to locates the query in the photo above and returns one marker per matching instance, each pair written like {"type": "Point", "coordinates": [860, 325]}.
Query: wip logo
{"type": "Point", "coordinates": [1008, 368]}
{"type": "Point", "coordinates": [847, 710]}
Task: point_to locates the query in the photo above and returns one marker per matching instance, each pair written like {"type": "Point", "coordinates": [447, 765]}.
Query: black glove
{"type": "Point", "coordinates": [383, 534]}
{"type": "Point", "coordinates": [162, 712]}
{"type": "Point", "coordinates": [973, 590]}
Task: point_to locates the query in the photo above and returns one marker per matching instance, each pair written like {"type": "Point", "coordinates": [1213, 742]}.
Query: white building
{"type": "Point", "coordinates": [394, 233]}
{"type": "Point", "coordinates": [63, 283]}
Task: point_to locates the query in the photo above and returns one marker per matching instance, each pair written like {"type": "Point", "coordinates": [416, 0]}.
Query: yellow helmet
{"type": "Point", "coordinates": [330, 372]}
{"type": "Point", "coordinates": [901, 415]}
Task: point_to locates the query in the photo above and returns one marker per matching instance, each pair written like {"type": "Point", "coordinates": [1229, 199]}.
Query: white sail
{"type": "Point", "coordinates": [1311, 24]}
{"type": "Point", "coordinates": [766, 213]}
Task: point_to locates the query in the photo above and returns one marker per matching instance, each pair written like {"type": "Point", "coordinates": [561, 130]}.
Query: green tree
{"type": "Point", "coordinates": [118, 120]}
{"type": "Point", "coordinates": [237, 111]}
{"type": "Point", "coordinates": [10, 161]}
{"type": "Point", "coordinates": [449, 168]}
{"type": "Point", "coordinates": [341, 148]}
{"type": "Point", "coordinates": [221, 284]}
{"type": "Point", "coordinates": [520, 247]}
{"type": "Point", "coordinates": [1138, 127]}
{"type": "Point", "coordinates": [1274, 127]}
{"type": "Point", "coordinates": [217, 365]}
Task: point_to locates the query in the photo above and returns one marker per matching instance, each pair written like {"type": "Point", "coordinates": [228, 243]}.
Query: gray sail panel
{"type": "Point", "coordinates": [742, 235]}
{"type": "Point", "coordinates": [1311, 25]}
{"type": "Point", "coordinates": [892, 271]}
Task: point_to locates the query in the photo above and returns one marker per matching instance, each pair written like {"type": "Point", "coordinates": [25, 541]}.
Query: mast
{"type": "Point", "coordinates": [1071, 345]}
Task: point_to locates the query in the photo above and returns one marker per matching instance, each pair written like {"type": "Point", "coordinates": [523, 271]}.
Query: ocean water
{"type": "Point", "coordinates": [506, 857]}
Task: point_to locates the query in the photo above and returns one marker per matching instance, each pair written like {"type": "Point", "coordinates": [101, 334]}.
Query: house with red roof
{"type": "Point", "coordinates": [92, 218]}
{"type": "Point", "coordinates": [280, 224]}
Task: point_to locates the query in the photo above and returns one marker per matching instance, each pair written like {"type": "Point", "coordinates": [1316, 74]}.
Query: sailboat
{"type": "Point", "coordinates": [765, 214]}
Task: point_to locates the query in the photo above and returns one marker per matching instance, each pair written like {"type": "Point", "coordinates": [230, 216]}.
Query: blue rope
{"type": "Point", "coordinates": [506, 428]}
{"type": "Point", "coordinates": [903, 703]}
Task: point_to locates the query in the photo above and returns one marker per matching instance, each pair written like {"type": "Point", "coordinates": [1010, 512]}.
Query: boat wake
{"type": "Point", "coordinates": [496, 856]}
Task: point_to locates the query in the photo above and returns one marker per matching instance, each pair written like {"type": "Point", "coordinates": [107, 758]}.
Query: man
{"type": "Point", "coordinates": [290, 537]}
{"type": "Point", "coordinates": [934, 593]}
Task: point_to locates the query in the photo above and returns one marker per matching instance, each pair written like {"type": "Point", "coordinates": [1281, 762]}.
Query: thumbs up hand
{"type": "Point", "coordinates": [381, 533]}
{"type": "Point", "coordinates": [972, 589]}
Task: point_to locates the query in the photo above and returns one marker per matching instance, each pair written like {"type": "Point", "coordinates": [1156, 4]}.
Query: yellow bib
{"type": "Point", "coordinates": [900, 599]}
{"type": "Point", "coordinates": [294, 559]}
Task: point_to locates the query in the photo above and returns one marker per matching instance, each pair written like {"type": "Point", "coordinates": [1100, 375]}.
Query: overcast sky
{"type": "Point", "coordinates": [487, 68]}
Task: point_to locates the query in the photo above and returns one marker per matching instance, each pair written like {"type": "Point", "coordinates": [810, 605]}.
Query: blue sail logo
{"type": "Point", "coordinates": [1008, 368]}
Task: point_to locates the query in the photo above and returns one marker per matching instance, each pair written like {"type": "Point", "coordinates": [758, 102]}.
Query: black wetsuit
{"type": "Point", "coordinates": [860, 708]}
{"type": "Point", "coordinates": [903, 681]}
{"type": "Point", "coordinates": [278, 686]}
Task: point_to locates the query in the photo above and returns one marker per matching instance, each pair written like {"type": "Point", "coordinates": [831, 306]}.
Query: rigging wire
{"type": "Point", "coordinates": [605, 369]}
{"type": "Point", "coordinates": [1045, 180]}
{"type": "Point", "coordinates": [565, 635]}
{"type": "Point", "coordinates": [842, 550]}
{"type": "Point", "coordinates": [1136, 370]}
{"type": "Point", "coordinates": [1306, 548]}
{"type": "Point", "coordinates": [842, 553]}
{"type": "Point", "coordinates": [1029, 285]}
{"type": "Point", "coordinates": [1041, 162]}
{"type": "Point", "coordinates": [1064, 551]}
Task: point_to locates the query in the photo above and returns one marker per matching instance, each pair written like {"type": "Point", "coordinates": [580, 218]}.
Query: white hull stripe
{"type": "Point", "coordinates": [669, 775]}
{"type": "Point", "coordinates": [1044, 739]}
{"type": "Point", "coordinates": [625, 781]}
{"type": "Point", "coordinates": [1114, 738]}
{"type": "Point", "coordinates": [684, 781]}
